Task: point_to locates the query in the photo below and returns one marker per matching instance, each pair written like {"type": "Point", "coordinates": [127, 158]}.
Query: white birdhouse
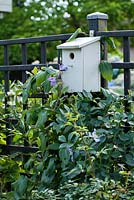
{"type": "Point", "coordinates": [5, 6]}
{"type": "Point", "coordinates": [82, 58]}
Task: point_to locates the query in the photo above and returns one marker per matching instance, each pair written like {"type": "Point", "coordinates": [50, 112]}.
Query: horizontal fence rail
{"type": "Point", "coordinates": [120, 33]}
{"type": "Point", "coordinates": [123, 65]}
{"type": "Point", "coordinates": [35, 39]}
{"type": "Point", "coordinates": [25, 67]}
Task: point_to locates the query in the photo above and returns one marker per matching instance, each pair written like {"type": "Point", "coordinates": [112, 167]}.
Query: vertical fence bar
{"type": "Point", "coordinates": [24, 61]}
{"type": "Point", "coordinates": [6, 78]}
{"type": "Point", "coordinates": [98, 22]}
{"type": "Point", "coordinates": [24, 77]}
{"type": "Point", "coordinates": [6, 62]}
{"type": "Point", "coordinates": [59, 54]}
{"type": "Point", "coordinates": [43, 61]}
{"type": "Point", "coordinates": [43, 53]}
{"type": "Point", "coordinates": [126, 54]}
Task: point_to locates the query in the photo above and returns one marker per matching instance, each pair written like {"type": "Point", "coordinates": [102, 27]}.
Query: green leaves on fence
{"type": "Point", "coordinates": [106, 70]}
{"type": "Point", "coordinates": [66, 138]}
{"type": "Point", "coordinates": [130, 159]}
{"type": "Point", "coordinates": [43, 141]}
{"type": "Point", "coordinates": [38, 82]}
{"type": "Point", "coordinates": [40, 78]}
{"type": "Point", "coordinates": [74, 172]}
{"type": "Point", "coordinates": [42, 118]}
{"type": "Point", "coordinates": [49, 173]}
{"type": "Point", "coordinates": [26, 89]}
{"type": "Point", "coordinates": [20, 187]}
{"type": "Point", "coordinates": [74, 35]}
{"type": "Point", "coordinates": [109, 40]}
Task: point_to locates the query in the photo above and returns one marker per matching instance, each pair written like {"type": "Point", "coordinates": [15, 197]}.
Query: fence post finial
{"type": "Point", "coordinates": [97, 22]}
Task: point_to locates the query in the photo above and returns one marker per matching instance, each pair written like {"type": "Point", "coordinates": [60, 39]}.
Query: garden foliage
{"type": "Point", "coordinates": [84, 149]}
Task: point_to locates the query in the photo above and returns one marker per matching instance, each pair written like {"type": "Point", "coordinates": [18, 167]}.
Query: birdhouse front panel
{"type": "Point", "coordinates": [73, 76]}
{"type": "Point", "coordinates": [91, 80]}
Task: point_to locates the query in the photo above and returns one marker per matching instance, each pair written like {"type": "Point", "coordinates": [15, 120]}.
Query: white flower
{"type": "Point", "coordinates": [121, 166]}
{"type": "Point", "coordinates": [11, 93]}
{"type": "Point", "coordinates": [70, 153]}
{"type": "Point", "coordinates": [94, 136]}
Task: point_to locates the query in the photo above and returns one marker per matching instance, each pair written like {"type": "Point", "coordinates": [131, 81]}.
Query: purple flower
{"type": "Point", "coordinates": [63, 67]}
{"type": "Point", "coordinates": [52, 80]}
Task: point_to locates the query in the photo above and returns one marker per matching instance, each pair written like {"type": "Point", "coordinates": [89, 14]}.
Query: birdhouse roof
{"type": "Point", "coordinates": [78, 43]}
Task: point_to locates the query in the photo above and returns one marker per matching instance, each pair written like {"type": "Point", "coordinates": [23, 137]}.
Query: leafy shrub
{"type": "Point", "coordinates": [82, 141]}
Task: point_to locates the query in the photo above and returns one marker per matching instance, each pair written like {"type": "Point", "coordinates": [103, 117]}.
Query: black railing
{"type": "Point", "coordinates": [126, 65]}
{"type": "Point", "coordinates": [97, 27]}
{"type": "Point", "coordinates": [23, 67]}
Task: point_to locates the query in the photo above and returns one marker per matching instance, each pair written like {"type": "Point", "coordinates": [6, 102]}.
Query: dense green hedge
{"type": "Point", "coordinates": [84, 149]}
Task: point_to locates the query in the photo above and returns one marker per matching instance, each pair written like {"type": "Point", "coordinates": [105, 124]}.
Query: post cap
{"type": "Point", "coordinates": [97, 15]}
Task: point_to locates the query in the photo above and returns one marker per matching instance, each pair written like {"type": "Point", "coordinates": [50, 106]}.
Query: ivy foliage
{"type": "Point", "coordinates": [81, 140]}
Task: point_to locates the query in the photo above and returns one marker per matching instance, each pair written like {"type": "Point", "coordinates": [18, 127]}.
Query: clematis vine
{"type": "Point", "coordinates": [63, 67]}
{"type": "Point", "coordinates": [53, 81]}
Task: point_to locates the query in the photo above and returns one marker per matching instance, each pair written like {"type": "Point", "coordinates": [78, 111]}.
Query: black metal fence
{"type": "Point", "coordinates": [7, 68]}
{"type": "Point", "coordinates": [97, 26]}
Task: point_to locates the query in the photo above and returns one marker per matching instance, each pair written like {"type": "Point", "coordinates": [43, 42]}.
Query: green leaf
{"type": "Point", "coordinates": [43, 141]}
{"type": "Point", "coordinates": [74, 172]}
{"type": "Point", "coordinates": [35, 70]}
{"type": "Point", "coordinates": [124, 137]}
{"type": "Point", "coordinates": [26, 89]}
{"type": "Point", "coordinates": [20, 185]}
{"type": "Point", "coordinates": [130, 160]}
{"type": "Point", "coordinates": [33, 87]}
{"type": "Point", "coordinates": [106, 70]}
{"type": "Point", "coordinates": [54, 146]}
{"type": "Point", "coordinates": [40, 167]}
{"type": "Point", "coordinates": [42, 118]}
{"type": "Point", "coordinates": [29, 163]}
{"type": "Point", "coordinates": [25, 95]}
{"type": "Point", "coordinates": [74, 35]}
{"type": "Point", "coordinates": [109, 40]}
{"type": "Point", "coordinates": [2, 141]}
{"type": "Point", "coordinates": [40, 77]}
{"type": "Point", "coordinates": [64, 156]}
{"type": "Point", "coordinates": [49, 173]}
{"type": "Point", "coordinates": [115, 154]}
{"type": "Point", "coordinates": [68, 129]}
{"type": "Point", "coordinates": [62, 138]}
{"type": "Point", "coordinates": [46, 86]}
{"type": "Point", "coordinates": [65, 145]}
{"type": "Point", "coordinates": [73, 137]}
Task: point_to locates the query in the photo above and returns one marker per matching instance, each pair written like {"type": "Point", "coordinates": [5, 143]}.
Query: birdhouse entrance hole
{"type": "Point", "coordinates": [72, 56]}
